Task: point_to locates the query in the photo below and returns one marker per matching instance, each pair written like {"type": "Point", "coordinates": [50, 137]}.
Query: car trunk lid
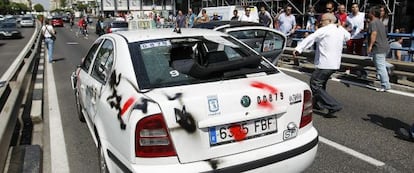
{"type": "Point", "coordinates": [229, 116]}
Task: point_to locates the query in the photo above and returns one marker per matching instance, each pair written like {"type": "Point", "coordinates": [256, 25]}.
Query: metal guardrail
{"type": "Point", "coordinates": [15, 82]}
{"type": "Point", "coordinates": [401, 69]}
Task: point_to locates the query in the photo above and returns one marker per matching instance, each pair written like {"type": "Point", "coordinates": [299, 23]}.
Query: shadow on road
{"type": "Point", "coordinates": [58, 59]}
{"type": "Point", "coordinates": [2, 44]}
{"type": "Point", "coordinates": [389, 123]}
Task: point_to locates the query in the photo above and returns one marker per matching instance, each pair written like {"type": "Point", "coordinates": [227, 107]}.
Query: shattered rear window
{"type": "Point", "coordinates": [181, 61]}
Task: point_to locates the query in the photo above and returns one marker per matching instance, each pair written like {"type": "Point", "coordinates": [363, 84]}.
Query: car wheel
{"type": "Point", "coordinates": [79, 107]}
{"type": "Point", "coordinates": [103, 167]}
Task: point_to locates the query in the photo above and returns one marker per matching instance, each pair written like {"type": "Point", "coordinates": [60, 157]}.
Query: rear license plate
{"type": "Point", "coordinates": [242, 130]}
{"type": "Point", "coordinates": [8, 34]}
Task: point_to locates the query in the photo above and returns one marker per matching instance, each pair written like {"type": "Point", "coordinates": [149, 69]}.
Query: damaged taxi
{"type": "Point", "coordinates": [192, 100]}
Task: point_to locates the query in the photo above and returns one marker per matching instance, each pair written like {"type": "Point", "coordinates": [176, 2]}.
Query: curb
{"type": "Point", "coordinates": [26, 158]}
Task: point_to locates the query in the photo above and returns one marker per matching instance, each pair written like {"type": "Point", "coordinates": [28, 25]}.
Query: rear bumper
{"type": "Point", "coordinates": [294, 155]}
{"type": "Point", "coordinates": [27, 24]}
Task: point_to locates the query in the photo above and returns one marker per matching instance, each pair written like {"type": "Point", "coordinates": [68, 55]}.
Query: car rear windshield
{"type": "Point", "coordinates": [181, 61]}
{"type": "Point", "coordinates": [120, 25]}
{"type": "Point", "coordinates": [8, 25]}
{"type": "Point", "coordinates": [26, 18]}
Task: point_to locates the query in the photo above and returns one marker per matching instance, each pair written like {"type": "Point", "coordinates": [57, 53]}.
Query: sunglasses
{"type": "Point", "coordinates": [329, 8]}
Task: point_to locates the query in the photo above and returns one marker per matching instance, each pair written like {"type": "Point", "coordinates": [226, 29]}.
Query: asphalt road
{"type": "Point", "coordinates": [365, 127]}
{"type": "Point", "coordinates": [10, 48]}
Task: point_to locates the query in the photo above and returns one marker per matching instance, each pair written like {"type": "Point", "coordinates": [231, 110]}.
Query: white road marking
{"type": "Point", "coordinates": [59, 160]}
{"type": "Point", "coordinates": [352, 152]}
{"type": "Point", "coordinates": [72, 43]}
{"type": "Point", "coordinates": [354, 83]}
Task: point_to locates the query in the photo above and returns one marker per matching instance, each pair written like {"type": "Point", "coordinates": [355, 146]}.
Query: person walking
{"type": "Point", "coordinates": [49, 34]}
{"type": "Point", "coordinates": [191, 17]}
{"type": "Point", "coordinates": [286, 22]}
{"type": "Point", "coordinates": [329, 38]}
{"type": "Point", "coordinates": [99, 27]}
{"type": "Point", "coordinates": [80, 25]}
{"type": "Point", "coordinates": [181, 20]}
{"type": "Point", "coordinates": [72, 21]}
{"type": "Point", "coordinates": [378, 46]}
{"type": "Point", "coordinates": [355, 22]}
{"type": "Point", "coordinates": [264, 17]}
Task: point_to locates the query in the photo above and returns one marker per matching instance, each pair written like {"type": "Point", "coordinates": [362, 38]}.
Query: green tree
{"type": "Point", "coordinates": [82, 7]}
{"type": "Point", "coordinates": [63, 3]}
{"type": "Point", "coordinates": [39, 8]}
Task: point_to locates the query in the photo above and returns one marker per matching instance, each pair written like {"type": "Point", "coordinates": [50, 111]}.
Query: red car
{"type": "Point", "coordinates": [57, 21]}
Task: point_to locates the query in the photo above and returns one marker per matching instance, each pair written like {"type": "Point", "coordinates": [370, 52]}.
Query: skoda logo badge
{"type": "Point", "coordinates": [245, 101]}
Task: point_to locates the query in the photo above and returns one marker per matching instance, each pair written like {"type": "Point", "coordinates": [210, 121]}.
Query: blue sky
{"type": "Point", "coordinates": [45, 3]}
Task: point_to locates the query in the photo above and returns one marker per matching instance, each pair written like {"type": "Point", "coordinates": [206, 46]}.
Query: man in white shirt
{"type": "Point", "coordinates": [49, 34]}
{"type": "Point", "coordinates": [329, 38]}
{"type": "Point", "coordinates": [355, 22]}
{"type": "Point", "coordinates": [286, 22]}
{"type": "Point", "coordinates": [247, 17]}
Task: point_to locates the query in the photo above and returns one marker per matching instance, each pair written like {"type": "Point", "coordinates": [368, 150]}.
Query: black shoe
{"type": "Point", "coordinates": [405, 134]}
{"type": "Point", "coordinates": [333, 111]}
{"type": "Point", "coordinates": [317, 107]}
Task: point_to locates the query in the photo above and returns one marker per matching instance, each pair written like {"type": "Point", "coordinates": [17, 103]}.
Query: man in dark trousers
{"type": "Point", "coordinates": [329, 38]}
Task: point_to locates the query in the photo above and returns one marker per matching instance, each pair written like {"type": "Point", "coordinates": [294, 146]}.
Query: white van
{"type": "Point", "coordinates": [226, 12]}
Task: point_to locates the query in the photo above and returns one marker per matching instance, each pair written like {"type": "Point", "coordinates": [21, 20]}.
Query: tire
{"type": "Point", "coordinates": [103, 167]}
{"type": "Point", "coordinates": [79, 107]}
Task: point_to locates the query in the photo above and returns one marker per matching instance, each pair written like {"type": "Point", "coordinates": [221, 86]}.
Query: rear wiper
{"type": "Point", "coordinates": [245, 71]}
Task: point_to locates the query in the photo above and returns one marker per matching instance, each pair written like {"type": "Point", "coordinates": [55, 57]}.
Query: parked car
{"type": "Point", "coordinates": [9, 30]}
{"type": "Point", "coordinates": [269, 42]}
{"type": "Point", "coordinates": [57, 21]}
{"type": "Point", "coordinates": [1, 18]}
{"type": "Point", "coordinates": [66, 18]}
{"type": "Point", "coordinates": [111, 26]}
{"type": "Point", "coordinates": [197, 100]}
{"type": "Point", "coordinates": [27, 22]}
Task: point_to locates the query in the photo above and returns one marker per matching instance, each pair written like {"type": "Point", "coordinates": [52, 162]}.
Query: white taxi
{"type": "Point", "coordinates": [193, 100]}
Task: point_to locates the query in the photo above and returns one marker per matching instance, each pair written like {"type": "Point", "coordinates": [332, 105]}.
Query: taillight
{"type": "Point", "coordinates": [306, 109]}
{"type": "Point", "coordinates": [109, 30]}
{"type": "Point", "coordinates": [152, 138]}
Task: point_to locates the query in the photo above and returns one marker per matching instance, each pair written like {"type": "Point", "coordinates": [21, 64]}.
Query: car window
{"type": "Point", "coordinates": [253, 38]}
{"type": "Point", "coordinates": [102, 65]}
{"type": "Point", "coordinates": [180, 61]}
{"type": "Point", "coordinates": [120, 25]}
{"type": "Point", "coordinates": [273, 41]}
{"type": "Point", "coordinates": [87, 61]}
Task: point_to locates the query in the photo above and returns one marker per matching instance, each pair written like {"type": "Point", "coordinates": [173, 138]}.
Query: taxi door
{"type": "Point", "coordinates": [84, 78]}
{"type": "Point", "coordinates": [99, 74]}
{"type": "Point", "coordinates": [269, 42]}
